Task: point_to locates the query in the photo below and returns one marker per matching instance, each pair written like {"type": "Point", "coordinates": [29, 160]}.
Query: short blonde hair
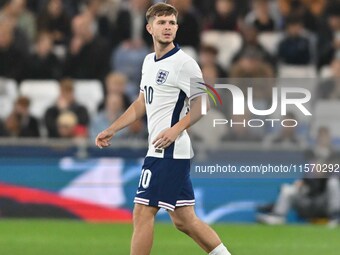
{"type": "Point", "coordinates": [67, 118]}
{"type": "Point", "coordinates": [160, 9]}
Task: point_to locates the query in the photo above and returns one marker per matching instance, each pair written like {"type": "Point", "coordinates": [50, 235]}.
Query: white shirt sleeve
{"type": "Point", "coordinates": [189, 77]}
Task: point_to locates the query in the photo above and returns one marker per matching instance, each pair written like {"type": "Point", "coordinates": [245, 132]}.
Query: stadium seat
{"type": "Point", "coordinates": [227, 43]}
{"type": "Point", "coordinates": [298, 76]}
{"type": "Point", "coordinates": [326, 114]}
{"type": "Point", "coordinates": [190, 51]}
{"type": "Point", "coordinates": [89, 93]}
{"type": "Point", "coordinates": [270, 41]}
{"type": "Point", "coordinates": [293, 71]}
{"type": "Point", "coordinates": [42, 93]}
{"type": "Point", "coordinates": [8, 95]}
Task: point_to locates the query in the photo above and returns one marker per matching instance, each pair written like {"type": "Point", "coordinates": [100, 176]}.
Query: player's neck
{"type": "Point", "coordinates": [162, 49]}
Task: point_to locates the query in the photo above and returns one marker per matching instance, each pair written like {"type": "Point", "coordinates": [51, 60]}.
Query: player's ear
{"type": "Point", "coordinates": [149, 28]}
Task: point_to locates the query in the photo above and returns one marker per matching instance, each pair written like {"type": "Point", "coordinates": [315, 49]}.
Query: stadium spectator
{"type": "Point", "coordinates": [295, 47]}
{"type": "Point", "coordinates": [251, 46]}
{"type": "Point", "coordinates": [55, 19]}
{"type": "Point", "coordinates": [189, 30]}
{"type": "Point", "coordinates": [129, 61]}
{"type": "Point", "coordinates": [251, 65]}
{"type": "Point", "coordinates": [116, 82]}
{"type": "Point", "coordinates": [130, 25]}
{"type": "Point", "coordinates": [114, 107]}
{"type": "Point", "coordinates": [311, 198]}
{"type": "Point", "coordinates": [208, 56]}
{"type": "Point", "coordinates": [67, 125]}
{"type": "Point", "coordinates": [133, 42]}
{"type": "Point", "coordinates": [210, 73]}
{"type": "Point", "coordinates": [24, 20]}
{"type": "Point", "coordinates": [88, 54]}
{"type": "Point", "coordinates": [110, 9]}
{"type": "Point", "coordinates": [66, 103]}
{"type": "Point", "coordinates": [43, 63]}
{"type": "Point", "coordinates": [316, 7]}
{"type": "Point", "coordinates": [306, 10]}
{"type": "Point", "coordinates": [260, 16]}
{"type": "Point", "coordinates": [330, 88]}
{"type": "Point", "coordinates": [224, 17]}
{"type": "Point", "coordinates": [250, 69]}
{"type": "Point", "coordinates": [102, 24]}
{"type": "Point", "coordinates": [329, 36]}
{"type": "Point", "coordinates": [20, 123]}
{"type": "Point", "coordinates": [12, 60]}
{"type": "Point", "coordinates": [287, 137]}
{"type": "Point", "coordinates": [315, 196]}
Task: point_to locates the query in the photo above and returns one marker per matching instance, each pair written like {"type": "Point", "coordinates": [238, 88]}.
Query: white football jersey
{"type": "Point", "coordinates": [166, 86]}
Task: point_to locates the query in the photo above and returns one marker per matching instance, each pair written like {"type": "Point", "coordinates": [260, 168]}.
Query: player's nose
{"type": "Point", "coordinates": [167, 26]}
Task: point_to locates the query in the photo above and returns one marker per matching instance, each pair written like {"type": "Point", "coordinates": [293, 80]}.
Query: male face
{"type": "Point", "coordinates": [81, 26]}
{"type": "Point", "coordinates": [163, 28]}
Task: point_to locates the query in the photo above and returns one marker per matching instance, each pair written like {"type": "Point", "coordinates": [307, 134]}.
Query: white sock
{"type": "Point", "coordinates": [220, 250]}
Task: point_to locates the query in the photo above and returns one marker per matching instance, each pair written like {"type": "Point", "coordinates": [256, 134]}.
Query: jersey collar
{"type": "Point", "coordinates": [169, 53]}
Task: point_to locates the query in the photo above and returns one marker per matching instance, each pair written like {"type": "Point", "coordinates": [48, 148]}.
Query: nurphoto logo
{"type": "Point", "coordinates": [243, 103]}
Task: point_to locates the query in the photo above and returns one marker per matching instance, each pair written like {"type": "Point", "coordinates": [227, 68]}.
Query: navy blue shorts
{"type": "Point", "coordinates": [165, 183]}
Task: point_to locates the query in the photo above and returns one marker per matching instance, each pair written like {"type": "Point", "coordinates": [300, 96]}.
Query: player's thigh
{"type": "Point", "coordinates": [143, 212]}
{"type": "Point", "coordinates": [183, 215]}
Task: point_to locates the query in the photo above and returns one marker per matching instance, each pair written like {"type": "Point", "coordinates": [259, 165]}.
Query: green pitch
{"type": "Point", "coordinates": [46, 237]}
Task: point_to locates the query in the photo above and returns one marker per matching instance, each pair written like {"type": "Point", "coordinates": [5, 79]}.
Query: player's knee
{"type": "Point", "coordinates": [179, 224]}
{"type": "Point", "coordinates": [184, 225]}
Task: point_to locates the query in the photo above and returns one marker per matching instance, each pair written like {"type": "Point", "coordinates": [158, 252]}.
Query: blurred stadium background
{"type": "Point", "coordinates": [69, 68]}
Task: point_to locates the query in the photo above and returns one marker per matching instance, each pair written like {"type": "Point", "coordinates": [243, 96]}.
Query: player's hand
{"type": "Point", "coordinates": [165, 138]}
{"type": "Point", "coordinates": [104, 137]}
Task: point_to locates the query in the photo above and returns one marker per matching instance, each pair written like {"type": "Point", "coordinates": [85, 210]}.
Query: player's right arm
{"type": "Point", "coordinates": [133, 113]}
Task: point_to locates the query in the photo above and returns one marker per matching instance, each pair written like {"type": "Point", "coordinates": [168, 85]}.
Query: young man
{"type": "Point", "coordinates": [165, 182]}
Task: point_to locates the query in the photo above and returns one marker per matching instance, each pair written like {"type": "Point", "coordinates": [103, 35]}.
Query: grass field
{"type": "Point", "coordinates": [47, 237]}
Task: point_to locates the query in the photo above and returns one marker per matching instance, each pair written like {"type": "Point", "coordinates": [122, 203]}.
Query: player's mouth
{"type": "Point", "coordinates": [167, 35]}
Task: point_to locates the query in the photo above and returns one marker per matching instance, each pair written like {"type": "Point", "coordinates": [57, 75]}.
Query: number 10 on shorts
{"type": "Point", "coordinates": [145, 178]}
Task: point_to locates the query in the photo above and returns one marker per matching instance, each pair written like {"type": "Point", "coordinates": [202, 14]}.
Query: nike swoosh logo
{"type": "Point", "coordinates": [138, 192]}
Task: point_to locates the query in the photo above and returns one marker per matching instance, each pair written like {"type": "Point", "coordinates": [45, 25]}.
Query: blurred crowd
{"type": "Point", "coordinates": [106, 40]}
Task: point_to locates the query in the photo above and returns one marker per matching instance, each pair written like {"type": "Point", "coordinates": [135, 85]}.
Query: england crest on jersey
{"type": "Point", "coordinates": [161, 77]}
